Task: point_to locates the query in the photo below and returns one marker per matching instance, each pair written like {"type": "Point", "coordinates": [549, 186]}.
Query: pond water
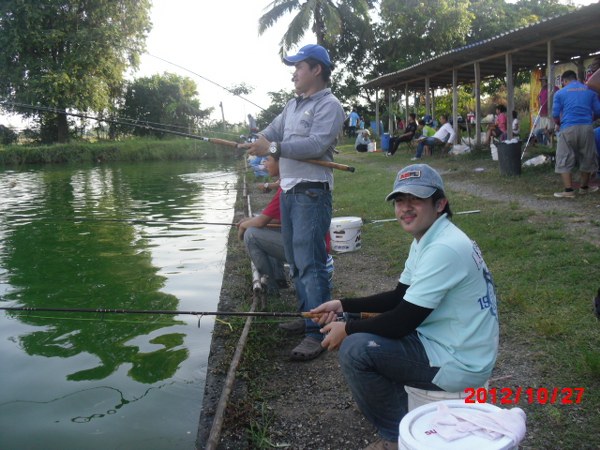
{"type": "Point", "coordinates": [130, 236]}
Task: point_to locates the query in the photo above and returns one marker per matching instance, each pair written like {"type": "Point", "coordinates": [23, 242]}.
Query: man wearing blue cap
{"type": "Point", "coordinates": [308, 128]}
{"type": "Point", "coordinates": [438, 330]}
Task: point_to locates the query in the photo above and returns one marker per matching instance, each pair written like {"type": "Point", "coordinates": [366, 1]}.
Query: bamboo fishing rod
{"type": "Point", "coordinates": [216, 141]}
{"type": "Point", "coordinates": [306, 315]}
{"type": "Point", "coordinates": [319, 162]}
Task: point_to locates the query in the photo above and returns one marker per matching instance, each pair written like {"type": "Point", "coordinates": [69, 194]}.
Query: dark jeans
{"type": "Point", "coordinates": [377, 369]}
{"type": "Point", "coordinates": [396, 141]}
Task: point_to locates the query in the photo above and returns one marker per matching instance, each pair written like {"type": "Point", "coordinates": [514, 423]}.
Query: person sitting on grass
{"type": "Point", "coordinates": [362, 141]}
{"type": "Point", "coordinates": [437, 330]}
{"type": "Point", "coordinates": [444, 135]}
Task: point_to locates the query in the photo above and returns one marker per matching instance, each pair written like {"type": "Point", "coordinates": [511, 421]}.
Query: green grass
{"type": "Point", "coordinates": [545, 276]}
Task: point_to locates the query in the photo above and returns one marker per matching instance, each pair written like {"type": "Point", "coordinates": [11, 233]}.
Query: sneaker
{"type": "Point", "coordinates": [293, 327]}
{"type": "Point", "coordinates": [565, 194]}
{"type": "Point", "coordinates": [382, 444]}
{"type": "Point", "coordinates": [588, 190]}
{"type": "Point", "coordinates": [415, 159]}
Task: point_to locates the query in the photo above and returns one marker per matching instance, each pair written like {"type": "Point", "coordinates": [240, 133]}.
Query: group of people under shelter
{"type": "Point", "coordinates": [437, 329]}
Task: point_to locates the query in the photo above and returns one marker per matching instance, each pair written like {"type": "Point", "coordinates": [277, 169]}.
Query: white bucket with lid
{"type": "Point", "coordinates": [417, 433]}
{"type": "Point", "coordinates": [420, 397]}
{"type": "Point", "coordinates": [345, 233]}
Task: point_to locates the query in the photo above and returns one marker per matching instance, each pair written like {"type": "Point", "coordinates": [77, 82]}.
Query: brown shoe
{"type": "Point", "coordinates": [382, 444]}
{"type": "Point", "coordinates": [306, 350]}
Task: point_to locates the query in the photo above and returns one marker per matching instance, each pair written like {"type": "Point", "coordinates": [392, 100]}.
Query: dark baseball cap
{"type": "Point", "coordinates": [309, 51]}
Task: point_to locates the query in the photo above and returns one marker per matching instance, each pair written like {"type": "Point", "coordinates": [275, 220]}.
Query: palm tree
{"type": "Point", "coordinates": [327, 16]}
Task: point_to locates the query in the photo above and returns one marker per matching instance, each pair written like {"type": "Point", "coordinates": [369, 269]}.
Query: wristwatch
{"type": "Point", "coordinates": [275, 149]}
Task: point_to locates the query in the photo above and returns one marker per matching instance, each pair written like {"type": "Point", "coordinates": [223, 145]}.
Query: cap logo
{"type": "Point", "coordinates": [409, 174]}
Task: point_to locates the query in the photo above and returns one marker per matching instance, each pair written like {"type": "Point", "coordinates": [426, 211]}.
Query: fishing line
{"type": "Point", "coordinates": [210, 81]}
{"type": "Point", "coordinates": [118, 121]}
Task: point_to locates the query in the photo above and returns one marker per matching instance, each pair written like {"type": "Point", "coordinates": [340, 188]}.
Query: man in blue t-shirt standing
{"type": "Point", "coordinates": [574, 108]}
{"type": "Point", "coordinates": [353, 119]}
{"type": "Point", "coordinates": [437, 330]}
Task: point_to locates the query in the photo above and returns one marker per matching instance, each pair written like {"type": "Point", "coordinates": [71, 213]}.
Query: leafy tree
{"type": "Point", "coordinates": [278, 101]}
{"type": "Point", "coordinates": [165, 101]}
{"type": "Point", "coordinates": [327, 19]}
{"type": "Point", "coordinates": [68, 53]}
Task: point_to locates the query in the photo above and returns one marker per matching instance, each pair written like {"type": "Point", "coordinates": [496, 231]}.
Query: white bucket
{"type": "Point", "coordinates": [420, 397]}
{"type": "Point", "coordinates": [416, 432]}
{"type": "Point", "coordinates": [345, 234]}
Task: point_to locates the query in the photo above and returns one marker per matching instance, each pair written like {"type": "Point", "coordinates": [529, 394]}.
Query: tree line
{"type": "Point", "coordinates": [73, 54]}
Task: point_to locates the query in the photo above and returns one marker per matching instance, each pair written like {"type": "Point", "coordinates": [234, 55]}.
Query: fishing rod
{"type": "Point", "coordinates": [216, 141]}
{"type": "Point", "coordinates": [459, 213]}
{"type": "Point", "coordinates": [306, 315]}
{"type": "Point", "coordinates": [145, 222]}
{"type": "Point", "coordinates": [319, 162]}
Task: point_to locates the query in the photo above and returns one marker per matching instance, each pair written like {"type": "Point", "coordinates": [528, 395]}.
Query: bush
{"type": "Point", "coordinates": [7, 136]}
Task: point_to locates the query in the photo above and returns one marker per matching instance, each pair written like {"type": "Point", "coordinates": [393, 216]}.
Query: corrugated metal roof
{"type": "Point", "coordinates": [575, 34]}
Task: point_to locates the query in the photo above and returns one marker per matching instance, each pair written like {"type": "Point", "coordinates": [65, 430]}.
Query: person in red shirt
{"type": "Point", "coordinates": [263, 242]}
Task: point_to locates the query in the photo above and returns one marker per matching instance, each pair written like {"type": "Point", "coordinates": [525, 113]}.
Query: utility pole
{"type": "Point", "coordinates": [222, 115]}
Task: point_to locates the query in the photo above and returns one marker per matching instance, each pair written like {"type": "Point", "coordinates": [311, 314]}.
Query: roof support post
{"type": "Point", "coordinates": [477, 93]}
{"type": "Point", "coordinates": [377, 130]}
{"type": "Point", "coordinates": [550, 75]}
{"type": "Point", "coordinates": [427, 98]}
{"type": "Point", "coordinates": [455, 104]}
{"type": "Point", "coordinates": [510, 95]}
{"type": "Point", "coordinates": [406, 101]}
{"type": "Point", "coordinates": [391, 116]}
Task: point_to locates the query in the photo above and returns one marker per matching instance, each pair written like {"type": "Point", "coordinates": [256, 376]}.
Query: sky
{"type": "Point", "coordinates": [219, 41]}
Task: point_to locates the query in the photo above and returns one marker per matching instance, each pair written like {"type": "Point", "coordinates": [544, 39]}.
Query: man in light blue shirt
{"type": "Point", "coordinates": [438, 330]}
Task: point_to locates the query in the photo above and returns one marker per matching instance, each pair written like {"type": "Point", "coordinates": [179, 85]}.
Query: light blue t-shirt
{"type": "Point", "coordinates": [446, 272]}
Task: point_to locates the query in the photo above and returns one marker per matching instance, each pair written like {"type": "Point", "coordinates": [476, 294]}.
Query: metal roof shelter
{"type": "Point", "coordinates": [569, 37]}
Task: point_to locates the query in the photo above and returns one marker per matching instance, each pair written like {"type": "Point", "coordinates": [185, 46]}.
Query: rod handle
{"type": "Point", "coordinates": [331, 164]}
{"type": "Point", "coordinates": [223, 142]}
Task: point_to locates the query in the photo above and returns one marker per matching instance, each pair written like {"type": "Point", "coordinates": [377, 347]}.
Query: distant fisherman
{"type": "Point", "coordinates": [308, 128]}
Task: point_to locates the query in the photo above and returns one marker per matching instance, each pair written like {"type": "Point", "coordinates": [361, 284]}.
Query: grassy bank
{"type": "Point", "coordinates": [544, 255]}
{"type": "Point", "coordinates": [130, 150]}
{"type": "Point", "coordinates": [546, 275]}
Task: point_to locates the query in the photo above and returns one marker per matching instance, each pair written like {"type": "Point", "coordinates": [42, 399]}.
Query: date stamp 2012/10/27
{"type": "Point", "coordinates": [530, 395]}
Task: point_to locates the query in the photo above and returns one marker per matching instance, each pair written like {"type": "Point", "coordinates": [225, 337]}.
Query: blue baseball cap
{"type": "Point", "coordinates": [419, 180]}
{"type": "Point", "coordinates": [309, 51]}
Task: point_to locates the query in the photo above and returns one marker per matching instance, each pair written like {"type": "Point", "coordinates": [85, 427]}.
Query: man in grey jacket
{"type": "Point", "coordinates": [308, 128]}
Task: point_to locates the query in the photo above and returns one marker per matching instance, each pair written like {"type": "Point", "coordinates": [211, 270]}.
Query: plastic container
{"type": "Point", "coordinates": [385, 142]}
{"type": "Point", "coordinates": [345, 234]}
{"type": "Point", "coordinates": [509, 158]}
{"type": "Point", "coordinates": [420, 397]}
{"type": "Point", "coordinates": [416, 432]}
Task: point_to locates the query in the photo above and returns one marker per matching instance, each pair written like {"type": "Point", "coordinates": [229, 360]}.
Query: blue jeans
{"type": "Point", "coordinates": [429, 142]}
{"type": "Point", "coordinates": [305, 219]}
{"type": "Point", "coordinates": [377, 369]}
